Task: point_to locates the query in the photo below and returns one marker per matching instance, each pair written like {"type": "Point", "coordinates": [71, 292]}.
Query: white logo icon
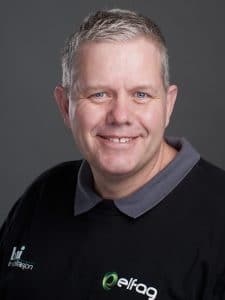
{"type": "Point", "coordinates": [17, 254]}
{"type": "Point", "coordinates": [15, 259]}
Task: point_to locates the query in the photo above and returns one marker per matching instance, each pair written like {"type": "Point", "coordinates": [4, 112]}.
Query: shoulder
{"type": "Point", "coordinates": [209, 175]}
{"type": "Point", "coordinates": [54, 178]}
{"type": "Point", "coordinates": [203, 192]}
{"type": "Point", "coordinates": [204, 188]}
{"type": "Point", "coordinates": [46, 190]}
{"type": "Point", "coordinates": [58, 179]}
{"type": "Point", "coordinates": [210, 169]}
{"type": "Point", "coordinates": [62, 171]}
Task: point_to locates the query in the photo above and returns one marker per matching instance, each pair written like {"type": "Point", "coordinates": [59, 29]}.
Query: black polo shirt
{"type": "Point", "coordinates": [169, 247]}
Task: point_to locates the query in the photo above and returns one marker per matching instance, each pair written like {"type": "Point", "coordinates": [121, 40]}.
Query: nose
{"type": "Point", "coordinates": [119, 111]}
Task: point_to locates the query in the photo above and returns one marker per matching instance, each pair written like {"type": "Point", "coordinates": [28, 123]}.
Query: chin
{"type": "Point", "coordinates": [118, 168]}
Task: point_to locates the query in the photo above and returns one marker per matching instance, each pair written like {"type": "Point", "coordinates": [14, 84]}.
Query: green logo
{"type": "Point", "coordinates": [110, 279]}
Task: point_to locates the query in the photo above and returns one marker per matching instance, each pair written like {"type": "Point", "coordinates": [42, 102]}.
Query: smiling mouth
{"type": "Point", "coordinates": [118, 140]}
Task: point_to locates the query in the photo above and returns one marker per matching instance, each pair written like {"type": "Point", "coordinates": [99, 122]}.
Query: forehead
{"type": "Point", "coordinates": [136, 61]}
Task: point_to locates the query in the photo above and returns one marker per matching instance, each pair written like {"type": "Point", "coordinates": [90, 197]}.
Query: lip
{"type": "Point", "coordinates": [113, 136]}
{"type": "Point", "coordinates": [107, 140]}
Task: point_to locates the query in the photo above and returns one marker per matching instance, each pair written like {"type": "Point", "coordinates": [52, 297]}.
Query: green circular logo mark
{"type": "Point", "coordinates": [110, 279]}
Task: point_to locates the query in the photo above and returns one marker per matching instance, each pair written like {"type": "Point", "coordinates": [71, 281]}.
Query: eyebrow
{"type": "Point", "coordinates": [145, 87]}
{"type": "Point", "coordinates": [89, 88]}
{"type": "Point", "coordinates": [94, 87]}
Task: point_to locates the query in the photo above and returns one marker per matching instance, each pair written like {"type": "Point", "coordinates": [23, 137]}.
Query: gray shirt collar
{"type": "Point", "coordinates": [148, 195]}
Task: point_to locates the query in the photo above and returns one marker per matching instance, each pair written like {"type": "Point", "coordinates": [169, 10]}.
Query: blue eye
{"type": "Point", "coordinates": [99, 94]}
{"type": "Point", "coordinates": [99, 97]}
{"type": "Point", "coordinates": [141, 95]}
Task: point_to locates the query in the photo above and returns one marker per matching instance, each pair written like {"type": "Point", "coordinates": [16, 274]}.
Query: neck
{"type": "Point", "coordinates": [115, 187]}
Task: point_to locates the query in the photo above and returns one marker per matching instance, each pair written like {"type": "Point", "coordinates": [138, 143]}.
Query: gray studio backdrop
{"type": "Point", "coordinates": [32, 134]}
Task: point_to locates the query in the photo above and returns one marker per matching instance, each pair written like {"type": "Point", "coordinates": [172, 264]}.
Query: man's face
{"type": "Point", "coordinates": [118, 108]}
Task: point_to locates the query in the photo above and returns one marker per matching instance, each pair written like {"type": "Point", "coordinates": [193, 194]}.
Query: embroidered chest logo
{"type": "Point", "coordinates": [16, 261]}
{"type": "Point", "coordinates": [111, 279]}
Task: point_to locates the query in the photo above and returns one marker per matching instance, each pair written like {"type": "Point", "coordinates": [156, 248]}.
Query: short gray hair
{"type": "Point", "coordinates": [112, 25]}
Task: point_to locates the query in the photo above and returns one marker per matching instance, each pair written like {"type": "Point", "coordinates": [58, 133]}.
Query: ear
{"type": "Point", "coordinates": [171, 96]}
{"type": "Point", "coordinates": [63, 103]}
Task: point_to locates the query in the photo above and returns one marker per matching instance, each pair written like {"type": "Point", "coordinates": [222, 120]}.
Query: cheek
{"type": "Point", "coordinates": [153, 119]}
{"type": "Point", "coordinates": [85, 118]}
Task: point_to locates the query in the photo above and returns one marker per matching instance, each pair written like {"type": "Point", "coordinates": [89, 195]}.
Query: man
{"type": "Point", "coordinates": [143, 216]}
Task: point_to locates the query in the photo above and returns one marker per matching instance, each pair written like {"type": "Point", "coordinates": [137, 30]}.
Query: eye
{"type": "Point", "coordinates": [99, 95]}
{"type": "Point", "coordinates": [141, 95]}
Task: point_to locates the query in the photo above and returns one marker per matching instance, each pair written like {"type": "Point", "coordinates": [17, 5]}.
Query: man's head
{"type": "Point", "coordinates": [115, 95]}
{"type": "Point", "coordinates": [111, 25]}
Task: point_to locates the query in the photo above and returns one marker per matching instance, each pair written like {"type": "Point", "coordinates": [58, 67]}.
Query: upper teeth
{"type": "Point", "coordinates": [120, 140]}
